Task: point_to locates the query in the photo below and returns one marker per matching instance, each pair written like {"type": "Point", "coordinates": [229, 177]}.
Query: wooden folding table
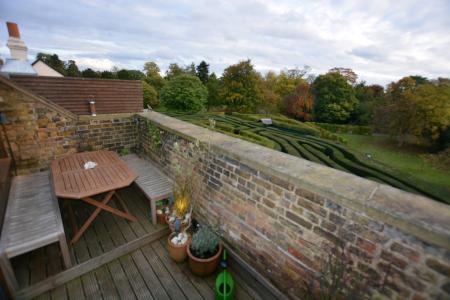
{"type": "Point", "coordinates": [73, 182]}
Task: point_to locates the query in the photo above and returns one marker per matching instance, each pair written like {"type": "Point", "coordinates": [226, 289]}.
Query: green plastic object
{"type": "Point", "coordinates": [224, 283]}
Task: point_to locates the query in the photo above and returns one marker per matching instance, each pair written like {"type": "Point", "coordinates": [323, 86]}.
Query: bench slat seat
{"type": "Point", "coordinates": [32, 220]}
{"type": "Point", "coordinates": [153, 183]}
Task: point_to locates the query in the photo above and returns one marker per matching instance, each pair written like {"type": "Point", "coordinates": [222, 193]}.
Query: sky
{"type": "Point", "coordinates": [382, 41]}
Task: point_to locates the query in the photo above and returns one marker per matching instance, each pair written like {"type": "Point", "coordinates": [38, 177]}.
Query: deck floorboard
{"type": "Point", "coordinates": [145, 273]}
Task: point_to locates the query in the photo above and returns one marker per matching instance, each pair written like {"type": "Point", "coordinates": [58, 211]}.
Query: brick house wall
{"type": "Point", "coordinates": [283, 214]}
{"type": "Point", "coordinates": [39, 130]}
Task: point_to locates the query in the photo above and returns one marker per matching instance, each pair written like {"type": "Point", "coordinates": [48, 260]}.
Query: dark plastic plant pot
{"type": "Point", "coordinates": [203, 267]}
{"type": "Point", "coordinates": [177, 252]}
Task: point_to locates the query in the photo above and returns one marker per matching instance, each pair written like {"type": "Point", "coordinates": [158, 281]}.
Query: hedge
{"type": "Point", "coordinates": [340, 128]}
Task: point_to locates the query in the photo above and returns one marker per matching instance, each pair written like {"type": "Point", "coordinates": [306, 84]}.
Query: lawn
{"type": "Point", "coordinates": [407, 160]}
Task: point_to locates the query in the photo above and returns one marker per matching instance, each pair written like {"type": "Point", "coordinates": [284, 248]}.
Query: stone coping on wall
{"type": "Point", "coordinates": [105, 116]}
{"type": "Point", "coordinates": [419, 216]}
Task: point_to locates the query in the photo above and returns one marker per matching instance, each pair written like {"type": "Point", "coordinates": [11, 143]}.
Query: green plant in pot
{"type": "Point", "coordinates": [177, 243]}
{"type": "Point", "coordinates": [204, 251]}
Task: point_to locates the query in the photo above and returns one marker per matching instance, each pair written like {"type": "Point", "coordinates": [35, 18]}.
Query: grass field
{"type": "Point", "coordinates": [340, 151]}
{"type": "Point", "coordinates": [407, 160]}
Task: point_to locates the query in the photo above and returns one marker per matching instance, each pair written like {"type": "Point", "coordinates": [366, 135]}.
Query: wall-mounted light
{"type": "Point", "coordinates": [92, 106]}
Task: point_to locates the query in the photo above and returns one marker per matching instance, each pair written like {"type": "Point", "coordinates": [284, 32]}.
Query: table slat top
{"type": "Point", "coordinates": [71, 180]}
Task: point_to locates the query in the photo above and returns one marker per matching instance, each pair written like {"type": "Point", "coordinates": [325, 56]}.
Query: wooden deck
{"type": "Point", "coordinates": [147, 273]}
{"type": "Point", "coordinates": [144, 272]}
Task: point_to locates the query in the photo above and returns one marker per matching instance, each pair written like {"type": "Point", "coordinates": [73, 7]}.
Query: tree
{"type": "Point", "coordinates": [240, 88]}
{"type": "Point", "coordinates": [190, 70]}
{"type": "Point", "coordinates": [369, 96]}
{"type": "Point", "coordinates": [334, 99]}
{"type": "Point", "coordinates": [130, 74]}
{"type": "Point", "coordinates": [108, 75]}
{"type": "Point", "coordinates": [53, 61]}
{"type": "Point", "coordinates": [173, 71]}
{"type": "Point", "coordinates": [300, 103]}
{"type": "Point", "coordinates": [151, 68]}
{"type": "Point", "coordinates": [288, 80]}
{"type": "Point", "coordinates": [213, 86]}
{"type": "Point", "coordinates": [420, 110]}
{"type": "Point", "coordinates": [395, 90]}
{"type": "Point", "coordinates": [89, 73]}
{"type": "Point", "coordinates": [203, 72]}
{"type": "Point", "coordinates": [270, 99]}
{"type": "Point", "coordinates": [153, 77]}
{"type": "Point", "coordinates": [420, 79]}
{"type": "Point", "coordinates": [184, 92]}
{"type": "Point", "coordinates": [72, 69]}
{"type": "Point", "coordinates": [150, 95]}
{"type": "Point", "coordinates": [348, 74]}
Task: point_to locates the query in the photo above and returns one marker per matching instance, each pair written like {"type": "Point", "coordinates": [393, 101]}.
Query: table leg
{"type": "Point", "coordinates": [101, 205]}
{"type": "Point", "coordinates": [91, 218]}
{"type": "Point", "coordinates": [73, 222]}
{"type": "Point", "coordinates": [122, 203]}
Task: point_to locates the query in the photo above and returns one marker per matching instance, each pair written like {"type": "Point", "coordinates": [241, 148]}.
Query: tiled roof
{"type": "Point", "coordinates": [111, 96]}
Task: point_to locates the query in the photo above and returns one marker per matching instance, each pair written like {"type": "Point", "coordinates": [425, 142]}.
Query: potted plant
{"type": "Point", "coordinates": [177, 243]}
{"type": "Point", "coordinates": [188, 185]}
{"type": "Point", "coordinates": [161, 214]}
{"type": "Point", "coordinates": [204, 251]}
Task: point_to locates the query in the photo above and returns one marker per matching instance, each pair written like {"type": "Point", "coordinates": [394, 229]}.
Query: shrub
{"type": "Point", "coordinates": [338, 128]}
{"type": "Point", "coordinates": [204, 243]}
{"type": "Point", "coordinates": [150, 95]}
{"type": "Point", "coordinates": [184, 92]}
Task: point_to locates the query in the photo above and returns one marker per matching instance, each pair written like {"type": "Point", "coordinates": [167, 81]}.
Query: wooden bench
{"type": "Point", "coordinates": [155, 185]}
{"type": "Point", "coordinates": [32, 220]}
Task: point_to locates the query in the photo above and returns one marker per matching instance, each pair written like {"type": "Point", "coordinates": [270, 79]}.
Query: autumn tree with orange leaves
{"type": "Point", "coordinates": [299, 104]}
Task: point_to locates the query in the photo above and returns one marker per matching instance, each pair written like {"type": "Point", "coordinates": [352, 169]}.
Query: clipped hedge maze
{"type": "Point", "coordinates": [308, 145]}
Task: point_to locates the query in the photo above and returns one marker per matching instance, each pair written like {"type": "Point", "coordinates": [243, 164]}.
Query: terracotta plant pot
{"type": "Point", "coordinates": [161, 219]}
{"type": "Point", "coordinates": [203, 267]}
{"type": "Point", "coordinates": [177, 252]}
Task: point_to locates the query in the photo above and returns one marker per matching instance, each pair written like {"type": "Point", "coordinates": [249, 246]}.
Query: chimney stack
{"type": "Point", "coordinates": [13, 30]}
{"type": "Point", "coordinates": [15, 44]}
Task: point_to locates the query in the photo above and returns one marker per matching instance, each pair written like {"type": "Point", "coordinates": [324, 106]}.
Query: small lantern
{"type": "Point", "coordinates": [92, 106]}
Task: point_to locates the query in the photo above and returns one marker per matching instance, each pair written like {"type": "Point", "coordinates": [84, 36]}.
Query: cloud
{"type": "Point", "coordinates": [381, 40]}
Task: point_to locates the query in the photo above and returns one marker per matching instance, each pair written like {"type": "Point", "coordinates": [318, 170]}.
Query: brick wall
{"type": "Point", "coordinates": [40, 131]}
{"type": "Point", "coordinates": [109, 131]}
{"type": "Point", "coordinates": [282, 214]}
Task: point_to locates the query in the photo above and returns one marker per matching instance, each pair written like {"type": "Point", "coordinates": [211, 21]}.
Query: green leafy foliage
{"type": "Point", "coordinates": [240, 90]}
{"type": "Point", "coordinates": [72, 69]}
{"type": "Point", "coordinates": [213, 86]}
{"type": "Point", "coordinates": [369, 97]}
{"type": "Point", "coordinates": [334, 99]}
{"type": "Point", "coordinates": [152, 76]}
{"type": "Point", "coordinates": [175, 70]}
{"type": "Point", "coordinates": [53, 61]}
{"type": "Point", "coordinates": [155, 136]}
{"type": "Point", "coordinates": [108, 75]}
{"type": "Point", "coordinates": [89, 73]}
{"type": "Point", "coordinates": [124, 151]}
{"type": "Point", "coordinates": [416, 109]}
{"type": "Point", "coordinates": [130, 74]}
{"type": "Point", "coordinates": [150, 95]}
{"type": "Point", "coordinates": [202, 72]}
{"type": "Point", "coordinates": [204, 243]}
{"type": "Point", "coordinates": [184, 92]}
